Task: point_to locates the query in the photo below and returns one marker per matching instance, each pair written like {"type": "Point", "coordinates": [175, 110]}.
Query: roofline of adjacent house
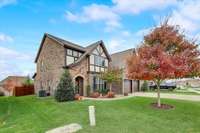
{"type": "Point", "coordinates": [133, 49]}
{"type": "Point", "coordinates": [11, 77]}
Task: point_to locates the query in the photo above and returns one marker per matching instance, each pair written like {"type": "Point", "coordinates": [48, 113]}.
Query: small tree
{"type": "Point", "coordinates": [28, 81]}
{"type": "Point", "coordinates": [112, 75]}
{"type": "Point", "coordinates": [65, 88]}
{"type": "Point", "coordinates": [165, 54]}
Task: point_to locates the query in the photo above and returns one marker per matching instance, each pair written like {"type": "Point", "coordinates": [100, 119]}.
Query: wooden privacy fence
{"type": "Point", "coordinates": [24, 90]}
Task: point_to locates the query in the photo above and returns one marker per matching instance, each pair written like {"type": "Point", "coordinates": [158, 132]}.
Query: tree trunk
{"type": "Point", "coordinates": [110, 87]}
{"type": "Point", "coordinates": [158, 93]}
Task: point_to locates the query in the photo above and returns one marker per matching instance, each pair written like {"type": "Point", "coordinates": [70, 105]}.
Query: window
{"type": "Point", "coordinates": [69, 52]}
{"type": "Point", "coordinates": [72, 56]}
{"type": "Point", "coordinates": [98, 62]}
{"type": "Point", "coordinates": [70, 60]}
{"type": "Point", "coordinates": [75, 53]}
{"type": "Point", "coordinates": [98, 84]}
{"type": "Point", "coordinates": [91, 68]}
{"type": "Point", "coordinates": [97, 69]}
{"type": "Point", "coordinates": [102, 69]}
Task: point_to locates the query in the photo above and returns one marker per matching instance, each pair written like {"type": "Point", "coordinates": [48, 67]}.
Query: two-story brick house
{"type": "Point", "coordinates": [84, 64]}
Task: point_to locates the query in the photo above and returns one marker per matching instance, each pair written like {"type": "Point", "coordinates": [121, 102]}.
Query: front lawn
{"type": "Point", "coordinates": [35, 115]}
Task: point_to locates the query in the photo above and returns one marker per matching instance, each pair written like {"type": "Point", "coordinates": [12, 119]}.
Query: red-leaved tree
{"type": "Point", "coordinates": [164, 54]}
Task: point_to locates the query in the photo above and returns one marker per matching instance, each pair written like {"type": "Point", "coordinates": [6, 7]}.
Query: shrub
{"type": "Point", "coordinates": [95, 94]}
{"type": "Point", "coordinates": [1, 93]}
{"type": "Point", "coordinates": [65, 89]}
{"type": "Point", "coordinates": [77, 97]}
{"type": "Point", "coordinates": [144, 86]}
{"type": "Point", "coordinates": [110, 94]}
{"type": "Point", "coordinates": [171, 89]}
{"type": "Point", "coordinates": [104, 91]}
{"type": "Point", "coordinates": [28, 81]}
{"type": "Point", "coordinates": [42, 93]}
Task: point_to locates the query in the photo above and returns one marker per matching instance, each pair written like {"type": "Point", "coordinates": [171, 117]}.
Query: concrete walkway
{"type": "Point", "coordinates": [169, 96]}
{"type": "Point", "coordinates": [193, 90]}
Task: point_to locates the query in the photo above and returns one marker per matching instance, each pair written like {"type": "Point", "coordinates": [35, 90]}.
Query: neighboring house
{"type": "Point", "coordinates": [8, 84]}
{"type": "Point", "coordinates": [84, 64]}
{"type": "Point", "coordinates": [119, 61]}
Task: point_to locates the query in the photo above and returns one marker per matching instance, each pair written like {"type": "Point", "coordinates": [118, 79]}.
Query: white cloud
{"type": "Point", "coordinates": [94, 13]}
{"type": "Point", "coordinates": [14, 63]}
{"type": "Point", "coordinates": [110, 15]}
{"type": "Point", "coordinates": [143, 32]}
{"type": "Point", "coordinates": [6, 2]}
{"type": "Point", "coordinates": [126, 33]}
{"type": "Point", "coordinates": [6, 54]}
{"type": "Point", "coordinates": [135, 6]}
{"type": "Point", "coordinates": [187, 15]}
{"type": "Point", "coordinates": [5, 38]}
{"type": "Point", "coordinates": [114, 44]}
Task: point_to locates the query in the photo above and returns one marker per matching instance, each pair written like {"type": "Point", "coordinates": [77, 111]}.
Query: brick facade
{"type": "Point", "coordinates": [49, 66]}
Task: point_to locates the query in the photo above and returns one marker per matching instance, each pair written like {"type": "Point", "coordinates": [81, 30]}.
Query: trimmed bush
{"type": "Point", "coordinates": [95, 94]}
{"type": "Point", "coordinates": [110, 94]}
{"type": "Point", "coordinates": [42, 93]}
{"type": "Point", "coordinates": [65, 88]}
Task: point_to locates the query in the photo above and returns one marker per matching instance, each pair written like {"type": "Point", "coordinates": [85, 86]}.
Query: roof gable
{"type": "Point", "coordinates": [60, 41]}
{"type": "Point", "coordinates": [90, 49]}
{"type": "Point", "coordinates": [86, 50]}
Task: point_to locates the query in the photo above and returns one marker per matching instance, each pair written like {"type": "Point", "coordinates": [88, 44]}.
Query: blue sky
{"type": "Point", "coordinates": [121, 24]}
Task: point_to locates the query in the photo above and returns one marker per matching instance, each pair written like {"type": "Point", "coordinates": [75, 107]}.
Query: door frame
{"type": "Point", "coordinates": [79, 82]}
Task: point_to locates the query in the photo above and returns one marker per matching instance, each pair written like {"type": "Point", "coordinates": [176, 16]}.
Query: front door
{"type": "Point", "coordinates": [79, 85]}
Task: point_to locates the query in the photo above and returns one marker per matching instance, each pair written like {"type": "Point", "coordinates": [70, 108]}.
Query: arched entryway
{"type": "Point", "coordinates": [79, 85]}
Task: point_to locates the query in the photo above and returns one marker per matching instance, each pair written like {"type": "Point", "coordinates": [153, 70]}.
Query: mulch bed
{"type": "Point", "coordinates": [163, 106]}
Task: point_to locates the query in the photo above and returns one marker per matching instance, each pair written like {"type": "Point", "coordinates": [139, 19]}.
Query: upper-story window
{"type": "Point", "coordinates": [72, 56]}
{"type": "Point", "coordinates": [98, 60]}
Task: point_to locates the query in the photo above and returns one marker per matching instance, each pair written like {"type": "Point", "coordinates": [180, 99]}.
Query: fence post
{"type": "Point", "coordinates": [92, 116]}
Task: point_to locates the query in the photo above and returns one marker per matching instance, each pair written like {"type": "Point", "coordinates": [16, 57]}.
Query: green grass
{"type": "Point", "coordinates": [36, 115]}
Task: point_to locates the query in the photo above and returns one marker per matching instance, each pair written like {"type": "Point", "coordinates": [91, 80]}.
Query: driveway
{"type": "Point", "coordinates": [169, 96]}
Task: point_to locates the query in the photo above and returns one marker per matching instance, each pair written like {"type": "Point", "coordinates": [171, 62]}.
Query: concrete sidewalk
{"type": "Point", "coordinates": [169, 96]}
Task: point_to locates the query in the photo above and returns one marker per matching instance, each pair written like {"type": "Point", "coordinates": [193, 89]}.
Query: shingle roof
{"type": "Point", "coordinates": [66, 43]}
{"type": "Point", "coordinates": [19, 78]}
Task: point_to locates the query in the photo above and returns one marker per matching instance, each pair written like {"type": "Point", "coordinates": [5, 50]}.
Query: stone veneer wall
{"type": "Point", "coordinates": [81, 70]}
{"type": "Point", "coordinates": [53, 57]}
